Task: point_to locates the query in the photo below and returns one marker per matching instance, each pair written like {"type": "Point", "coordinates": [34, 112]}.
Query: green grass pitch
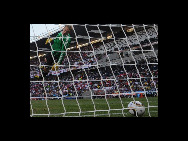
{"type": "Point", "coordinates": [85, 107]}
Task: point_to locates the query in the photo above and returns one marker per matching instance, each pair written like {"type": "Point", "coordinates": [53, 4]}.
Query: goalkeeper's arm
{"type": "Point", "coordinates": [65, 44]}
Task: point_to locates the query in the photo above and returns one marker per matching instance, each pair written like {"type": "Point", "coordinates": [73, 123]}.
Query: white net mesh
{"type": "Point", "coordinates": [105, 67]}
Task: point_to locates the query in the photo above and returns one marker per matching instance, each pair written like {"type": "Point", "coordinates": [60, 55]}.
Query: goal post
{"type": "Point", "coordinates": [105, 67]}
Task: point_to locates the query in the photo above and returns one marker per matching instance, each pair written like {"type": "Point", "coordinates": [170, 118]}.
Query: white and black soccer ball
{"type": "Point", "coordinates": [136, 108]}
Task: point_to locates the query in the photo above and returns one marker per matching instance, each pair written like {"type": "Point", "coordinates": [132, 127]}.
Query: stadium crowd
{"type": "Point", "coordinates": [114, 78]}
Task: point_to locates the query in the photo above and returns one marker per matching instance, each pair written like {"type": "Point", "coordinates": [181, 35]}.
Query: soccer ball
{"type": "Point", "coordinates": [136, 108]}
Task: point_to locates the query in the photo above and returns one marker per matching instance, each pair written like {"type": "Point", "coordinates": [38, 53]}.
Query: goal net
{"type": "Point", "coordinates": [105, 67]}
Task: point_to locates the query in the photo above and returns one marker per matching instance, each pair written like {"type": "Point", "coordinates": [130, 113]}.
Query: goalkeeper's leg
{"type": "Point", "coordinates": [48, 61]}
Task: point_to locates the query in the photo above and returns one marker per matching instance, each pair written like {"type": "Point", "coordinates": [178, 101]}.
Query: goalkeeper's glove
{"type": "Point", "coordinates": [55, 67]}
{"type": "Point", "coordinates": [48, 40]}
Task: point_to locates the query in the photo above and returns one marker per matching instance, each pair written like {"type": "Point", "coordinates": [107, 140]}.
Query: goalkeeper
{"type": "Point", "coordinates": [61, 43]}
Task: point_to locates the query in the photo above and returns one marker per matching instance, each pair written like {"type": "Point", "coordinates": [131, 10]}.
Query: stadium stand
{"type": "Point", "coordinates": [90, 59]}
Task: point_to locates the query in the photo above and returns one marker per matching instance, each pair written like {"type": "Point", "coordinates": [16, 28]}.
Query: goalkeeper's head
{"type": "Point", "coordinates": [66, 29]}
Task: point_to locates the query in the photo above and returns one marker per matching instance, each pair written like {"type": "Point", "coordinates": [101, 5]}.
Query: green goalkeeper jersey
{"type": "Point", "coordinates": [60, 44]}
